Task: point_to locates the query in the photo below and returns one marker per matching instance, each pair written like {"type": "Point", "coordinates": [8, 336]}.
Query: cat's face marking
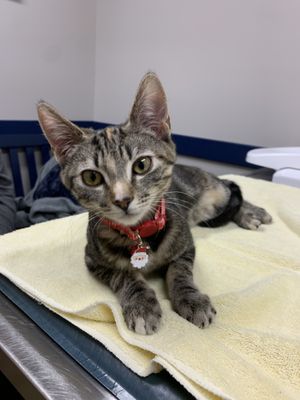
{"type": "Point", "coordinates": [120, 172]}
{"type": "Point", "coordinates": [119, 181]}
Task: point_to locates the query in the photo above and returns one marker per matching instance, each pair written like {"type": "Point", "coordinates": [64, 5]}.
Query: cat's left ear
{"type": "Point", "coordinates": [150, 108]}
{"type": "Point", "coordinates": [61, 133]}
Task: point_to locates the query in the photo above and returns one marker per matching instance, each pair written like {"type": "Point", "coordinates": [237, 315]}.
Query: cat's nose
{"type": "Point", "coordinates": [124, 203]}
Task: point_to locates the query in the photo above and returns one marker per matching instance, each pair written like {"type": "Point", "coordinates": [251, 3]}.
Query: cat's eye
{"type": "Point", "coordinates": [91, 178]}
{"type": "Point", "coordinates": [142, 165]}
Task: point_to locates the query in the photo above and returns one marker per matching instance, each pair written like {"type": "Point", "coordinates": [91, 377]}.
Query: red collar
{"type": "Point", "coordinates": [145, 229]}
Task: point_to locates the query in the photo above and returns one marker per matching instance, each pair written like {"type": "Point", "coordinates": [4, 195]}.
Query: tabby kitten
{"type": "Point", "coordinates": [141, 206]}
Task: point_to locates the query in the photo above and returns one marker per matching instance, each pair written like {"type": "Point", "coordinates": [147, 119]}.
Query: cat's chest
{"type": "Point", "coordinates": [147, 257]}
{"type": "Point", "coordinates": [148, 260]}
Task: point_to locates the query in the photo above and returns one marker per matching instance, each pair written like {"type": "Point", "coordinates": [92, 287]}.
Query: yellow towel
{"type": "Point", "coordinates": [252, 351]}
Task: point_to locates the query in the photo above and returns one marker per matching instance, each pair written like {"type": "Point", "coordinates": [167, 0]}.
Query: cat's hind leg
{"type": "Point", "coordinates": [251, 217]}
{"type": "Point", "coordinates": [246, 215]}
{"type": "Point", "coordinates": [231, 206]}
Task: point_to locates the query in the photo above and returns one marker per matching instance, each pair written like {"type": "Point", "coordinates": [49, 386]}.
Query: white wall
{"type": "Point", "coordinates": [231, 69]}
{"type": "Point", "coordinates": [47, 50]}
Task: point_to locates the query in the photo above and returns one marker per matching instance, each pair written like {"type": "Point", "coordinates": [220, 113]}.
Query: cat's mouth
{"type": "Point", "coordinates": [127, 218]}
{"type": "Point", "coordinates": [130, 217]}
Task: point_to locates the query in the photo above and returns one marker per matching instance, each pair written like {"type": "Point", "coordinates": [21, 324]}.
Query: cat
{"type": "Point", "coordinates": [141, 206]}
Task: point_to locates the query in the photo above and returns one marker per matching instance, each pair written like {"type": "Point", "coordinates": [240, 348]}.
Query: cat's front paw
{"type": "Point", "coordinates": [196, 309]}
{"type": "Point", "coordinates": [143, 317]}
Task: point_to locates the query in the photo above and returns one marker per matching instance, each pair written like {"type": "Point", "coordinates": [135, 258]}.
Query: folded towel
{"type": "Point", "coordinates": [251, 351]}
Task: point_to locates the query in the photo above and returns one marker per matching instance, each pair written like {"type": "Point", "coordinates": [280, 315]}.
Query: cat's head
{"type": "Point", "coordinates": [120, 172]}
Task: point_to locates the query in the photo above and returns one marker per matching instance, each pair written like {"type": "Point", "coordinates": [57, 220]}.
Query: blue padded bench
{"type": "Point", "coordinates": [26, 136]}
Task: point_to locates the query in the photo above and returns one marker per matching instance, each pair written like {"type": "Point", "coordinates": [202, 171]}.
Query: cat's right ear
{"type": "Point", "coordinates": [61, 133]}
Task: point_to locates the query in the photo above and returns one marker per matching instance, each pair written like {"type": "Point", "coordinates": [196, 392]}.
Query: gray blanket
{"type": "Point", "coordinates": [49, 199]}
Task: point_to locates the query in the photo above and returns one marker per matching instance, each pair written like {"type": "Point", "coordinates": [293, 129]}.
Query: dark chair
{"type": "Point", "coordinates": [12, 142]}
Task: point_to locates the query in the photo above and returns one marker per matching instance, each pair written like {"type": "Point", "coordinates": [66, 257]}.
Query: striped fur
{"type": "Point", "coordinates": [192, 197]}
